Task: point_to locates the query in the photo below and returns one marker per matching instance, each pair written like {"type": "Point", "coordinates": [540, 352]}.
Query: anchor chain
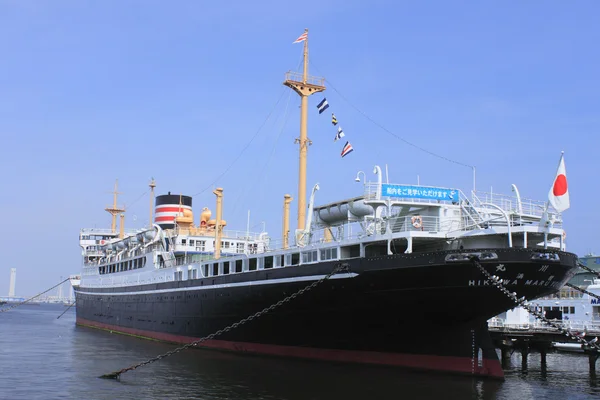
{"type": "Point", "coordinates": [31, 298]}
{"type": "Point", "coordinates": [588, 269]}
{"type": "Point", "coordinates": [582, 290]}
{"type": "Point", "coordinates": [532, 308]}
{"type": "Point", "coordinates": [117, 374]}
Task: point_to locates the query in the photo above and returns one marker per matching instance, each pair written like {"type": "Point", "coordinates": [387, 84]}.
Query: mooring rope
{"type": "Point", "coordinates": [31, 298]}
{"type": "Point", "coordinates": [63, 313]}
{"type": "Point", "coordinates": [117, 374]}
{"type": "Point", "coordinates": [532, 308]}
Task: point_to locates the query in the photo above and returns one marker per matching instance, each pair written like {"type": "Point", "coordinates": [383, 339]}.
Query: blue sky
{"type": "Point", "coordinates": [94, 91]}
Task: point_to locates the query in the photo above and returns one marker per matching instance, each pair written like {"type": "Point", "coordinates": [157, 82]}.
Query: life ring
{"type": "Point", "coordinates": [102, 242]}
{"type": "Point", "coordinates": [417, 221]}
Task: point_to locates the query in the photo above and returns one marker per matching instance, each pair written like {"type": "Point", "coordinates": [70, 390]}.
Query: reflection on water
{"type": "Point", "coordinates": [65, 361]}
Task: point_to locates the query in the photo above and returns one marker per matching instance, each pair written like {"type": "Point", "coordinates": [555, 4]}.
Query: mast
{"type": "Point", "coordinates": [152, 186]}
{"type": "Point", "coordinates": [122, 227]}
{"type": "Point", "coordinates": [287, 199]}
{"type": "Point", "coordinates": [114, 210]}
{"type": "Point", "coordinates": [304, 85]}
{"type": "Point", "coordinates": [219, 193]}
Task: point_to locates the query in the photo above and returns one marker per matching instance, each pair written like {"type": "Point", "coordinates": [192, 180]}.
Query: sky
{"type": "Point", "coordinates": [190, 93]}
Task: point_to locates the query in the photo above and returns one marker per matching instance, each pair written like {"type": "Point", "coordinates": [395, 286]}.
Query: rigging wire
{"type": "Point", "coordinates": [262, 172]}
{"type": "Point", "coordinates": [236, 203]}
{"type": "Point", "coordinates": [244, 148]}
{"type": "Point", "coordinates": [387, 130]}
{"type": "Point", "coordinates": [135, 201]}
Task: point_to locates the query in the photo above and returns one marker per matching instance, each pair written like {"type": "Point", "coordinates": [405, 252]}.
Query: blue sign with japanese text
{"type": "Point", "coordinates": [419, 192]}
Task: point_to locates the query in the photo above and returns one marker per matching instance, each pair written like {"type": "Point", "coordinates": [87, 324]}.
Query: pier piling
{"type": "Point", "coordinates": [524, 354]}
{"type": "Point", "coordinates": [505, 352]}
{"type": "Point", "coordinates": [543, 353]}
{"type": "Point", "coordinates": [593, 357]}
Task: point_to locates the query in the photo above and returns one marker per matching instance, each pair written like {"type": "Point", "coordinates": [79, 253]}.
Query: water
{"type": "Point", "coordinates": [42, 357]}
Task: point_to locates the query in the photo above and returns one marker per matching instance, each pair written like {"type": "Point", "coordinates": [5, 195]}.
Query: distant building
{"type": "Point", "coordinates": [13, 281]}
{"type": "Point", "coordinates": [584, 278]}
{"type": "Point", "coordinates": [11, 289]}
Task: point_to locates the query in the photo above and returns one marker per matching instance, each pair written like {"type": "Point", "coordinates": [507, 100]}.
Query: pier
{"type": "Point", "coordinates": [542, 338]}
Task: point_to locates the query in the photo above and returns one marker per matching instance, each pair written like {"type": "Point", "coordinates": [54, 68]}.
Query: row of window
{"type": "Point", "coordinates": [97, 238]}
{"type": "Point", "coordinates": [564, 309]}
{"type": "Point", "coordinates": [225, 245]}
{"type": "Point", "coordinates": [234, 266]}
{"type": "Point", "coordinates": [128, 265]}
{"type": "Point", "coordinates": [256, 263]}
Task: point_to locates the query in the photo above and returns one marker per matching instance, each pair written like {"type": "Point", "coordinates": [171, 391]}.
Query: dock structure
{"type": "Point", "coordinates": [542, 338]}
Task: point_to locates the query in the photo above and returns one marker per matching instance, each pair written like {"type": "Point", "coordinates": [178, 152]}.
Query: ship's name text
{"type": "Point", "coordinates": [528, 282]}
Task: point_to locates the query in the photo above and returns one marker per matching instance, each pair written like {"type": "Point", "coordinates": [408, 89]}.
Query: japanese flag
{"type": "Point", "coordinates": [558, 196]}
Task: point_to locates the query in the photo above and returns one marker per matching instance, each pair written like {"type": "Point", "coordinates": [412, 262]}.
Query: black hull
{"type": "Point", "coordinates": [415, 310]}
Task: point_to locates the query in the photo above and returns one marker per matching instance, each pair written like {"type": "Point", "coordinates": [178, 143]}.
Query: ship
{"type": "Point", "coordinates": [571, 308]}
{"type": "Point", "coordinates": [398, 271]}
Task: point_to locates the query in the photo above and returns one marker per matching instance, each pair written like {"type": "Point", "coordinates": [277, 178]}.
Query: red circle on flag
{"type": "Point", "coordinates": [560, 185]}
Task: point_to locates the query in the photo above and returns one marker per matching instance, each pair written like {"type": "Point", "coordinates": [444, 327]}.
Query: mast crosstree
{"type": "Point", "coordinates": [115, 210]}
{"type": "Point", "coordinates": [304, 85]}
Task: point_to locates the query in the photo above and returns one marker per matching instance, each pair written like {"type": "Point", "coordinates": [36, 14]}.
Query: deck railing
{"type": "Point", "coordinates": [539, 326]}
{"type": "Point", "coordinates": [479, 200]}
{"type": "Point", "coordinates": [298, 77]}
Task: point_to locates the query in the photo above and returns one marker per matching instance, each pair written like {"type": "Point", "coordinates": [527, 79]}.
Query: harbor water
{"type": "Point", "coordinates": [42, 357]}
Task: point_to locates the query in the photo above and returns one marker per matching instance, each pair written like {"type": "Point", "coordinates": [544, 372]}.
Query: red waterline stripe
{"type": "Point", "coordinates": [462, 365]}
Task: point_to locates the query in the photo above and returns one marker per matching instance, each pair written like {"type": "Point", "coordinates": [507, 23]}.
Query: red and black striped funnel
{"type": "Point", "coordinates": [168, 207]}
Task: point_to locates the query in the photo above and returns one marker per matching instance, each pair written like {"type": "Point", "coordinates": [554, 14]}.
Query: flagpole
{"type": "Point", "coordinates": [545, 219]}
{"type": "Point", "coordinates": [305, 69]}
{"type": "Point", "coordinates": [545, 216]}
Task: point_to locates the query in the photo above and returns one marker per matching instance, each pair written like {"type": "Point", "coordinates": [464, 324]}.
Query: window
{"type": "Point", "coordinates": [295, 259]}
{"type": "Point", "coordinates": [215, 269]}
{"type": "Point", "coordinates": [192, 242]}
{"type": "Point", "coordinates": [226, 267]}
{"type": "Point", "coordinates": [329, 254]}
{"type": "Point", "coordinates": [252, 264]}
{"type": "Point", "coordinates": [183, 242]}
{"type": "Point", "coordinates": [309, 257]}
{"type": "Point", "coordinates": [239, 247]}
{"type": "Point", "coordinates": [572, 310]}
{"type": "Point", "coordinates": [268, 262]}
{"type": "Point", "coordinates": [239, 265]}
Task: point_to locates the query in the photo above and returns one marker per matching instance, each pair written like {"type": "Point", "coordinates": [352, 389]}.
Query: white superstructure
{"type": "Point", "coordinates": [386, 219]}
